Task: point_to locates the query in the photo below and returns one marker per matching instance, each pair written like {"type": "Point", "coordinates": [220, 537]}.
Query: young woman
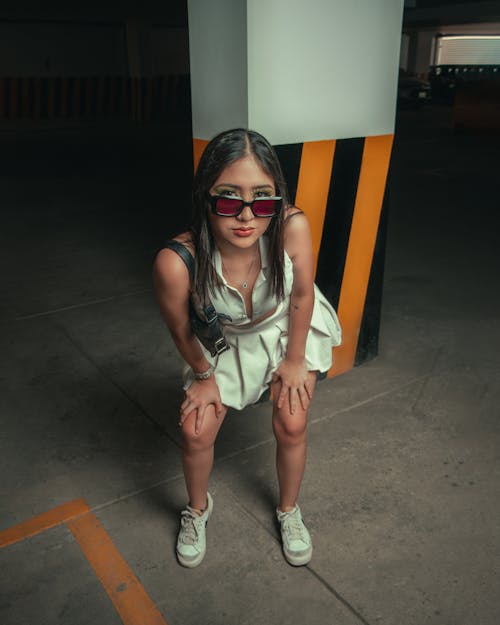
{"type": "Point", "coordinates": [254, 263]}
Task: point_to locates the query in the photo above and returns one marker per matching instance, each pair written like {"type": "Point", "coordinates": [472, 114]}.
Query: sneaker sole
{"type": "Point", "coordinates": [301, 560]}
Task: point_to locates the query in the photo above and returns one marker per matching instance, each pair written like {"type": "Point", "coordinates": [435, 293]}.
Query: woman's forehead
{"type": "Point", "coordinates": [246, 171]}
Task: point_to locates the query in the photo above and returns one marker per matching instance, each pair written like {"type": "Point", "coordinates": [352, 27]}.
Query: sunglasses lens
{"type": "Point", "coordinates": [232, 206]}
{"type": "Point", "coordinates": [266, 207]}
{"type": "Point", "coordinates": [227, 206]}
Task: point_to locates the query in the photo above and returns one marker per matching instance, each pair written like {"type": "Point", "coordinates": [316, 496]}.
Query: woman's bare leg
{"type": "Point", "coordinates": [290, 431]}
{"type": "Point", "coordinates": [198, 455]}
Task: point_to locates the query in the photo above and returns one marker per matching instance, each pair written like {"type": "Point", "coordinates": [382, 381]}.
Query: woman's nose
{"type": "Point", "coordinates": [246, 214]}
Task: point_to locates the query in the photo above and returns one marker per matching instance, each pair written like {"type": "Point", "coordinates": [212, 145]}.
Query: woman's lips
{"type": "Point", "coordinates": [243, 232]}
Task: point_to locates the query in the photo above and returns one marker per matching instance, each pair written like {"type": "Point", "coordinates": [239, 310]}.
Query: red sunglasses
{"type": "Point", "coordinates": [231, 206]}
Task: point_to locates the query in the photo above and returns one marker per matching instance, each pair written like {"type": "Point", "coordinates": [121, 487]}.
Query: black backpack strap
{"type": "Point", "coordinates": [208, 329]}
{"type": "Point", "coordinates": [184, 253]}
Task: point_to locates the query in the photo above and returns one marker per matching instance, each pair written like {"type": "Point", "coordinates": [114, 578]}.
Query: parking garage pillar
{"type": "Point", "coordinates": [319, 80]}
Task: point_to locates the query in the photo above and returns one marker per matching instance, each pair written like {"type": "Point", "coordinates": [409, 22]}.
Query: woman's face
{"type": "Point", "coordinates": [246, 179]}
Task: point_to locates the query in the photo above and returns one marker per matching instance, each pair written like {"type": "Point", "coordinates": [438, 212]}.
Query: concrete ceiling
{"type": "Point", "coordinates": [171, 12]}
{"type": "Point", "coordinates": [427, 13]}
{"type": "Point", "coordinates": [435, 13]}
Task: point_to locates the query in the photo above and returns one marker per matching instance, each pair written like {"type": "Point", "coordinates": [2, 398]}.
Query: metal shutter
{"type": "Point", "coordinates": [468, 50]}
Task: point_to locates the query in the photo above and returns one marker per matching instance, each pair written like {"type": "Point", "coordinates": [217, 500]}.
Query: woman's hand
{"type": "Point", "coordinates": [295, 384]}
{"type": "Point", "coordinates": [199, 396]}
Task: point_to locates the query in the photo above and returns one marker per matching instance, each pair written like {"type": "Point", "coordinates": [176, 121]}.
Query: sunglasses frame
{"type": "Point", "coordinates": [213, 205]}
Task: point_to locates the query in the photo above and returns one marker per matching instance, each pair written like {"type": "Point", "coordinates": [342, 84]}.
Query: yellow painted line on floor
{"type": "Point", "coordinates": [130, 599]}
{"type": "Point", "coordinates": [313, 187]}
{"type": "Point", "coordinates": [364, 228]}
{"type": "Point", "coordinates": [43, 522]}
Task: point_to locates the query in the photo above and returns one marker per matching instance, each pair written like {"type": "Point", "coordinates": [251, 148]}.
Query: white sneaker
{"type": "Point", "coordinates": [297, 545]}
{"type": "Point", "coordinates": [191, 542]}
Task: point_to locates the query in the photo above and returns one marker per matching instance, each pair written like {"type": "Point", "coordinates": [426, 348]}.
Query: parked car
{"type": "Point", "coordinates": [413, 92]}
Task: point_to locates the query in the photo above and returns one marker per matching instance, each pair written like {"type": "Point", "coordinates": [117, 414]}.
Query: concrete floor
{"type": "Point", "coordinates": [401, 489]}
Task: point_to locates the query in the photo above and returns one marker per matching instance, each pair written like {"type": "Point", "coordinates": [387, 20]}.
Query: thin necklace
{"type": "Point", "coordinates": [244, 284]}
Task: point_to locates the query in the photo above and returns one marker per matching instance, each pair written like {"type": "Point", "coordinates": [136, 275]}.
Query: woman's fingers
{"type": "Point", "coordinates": [283, 395]}
{"type": "Point", "coordinates": [309, 390]}
{"type": "Point", "coordinates": [200, 415]}
{"type": "Point", "coordinates": [185, 416]}
{"type": "Point", "coordinates": [295, 396]}
{"type": "Point", "coordinates": [188, 406]}
{"type": "Point", "coordinates": [292, 398]}
{"type": "Point", "coordinates": [304, 397]}
{"type": "Point", "coordinates": [219, 409]}
{"type": "Point", "coordinates": [185, 411]}
{"type": "Point", "coordinates": [198, 408]}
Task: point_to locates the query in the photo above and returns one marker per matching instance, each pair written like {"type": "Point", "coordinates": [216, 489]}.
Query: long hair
{"type": "Point", "coordinates": [223, 150]}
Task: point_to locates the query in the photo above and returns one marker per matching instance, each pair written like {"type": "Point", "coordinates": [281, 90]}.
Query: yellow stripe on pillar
{"type": "Point", "coordinates": [313, 186]}
{"type": "Point", "coordinates": [198, 146]}
{"type": "Point", "coordinates": [364, 228]}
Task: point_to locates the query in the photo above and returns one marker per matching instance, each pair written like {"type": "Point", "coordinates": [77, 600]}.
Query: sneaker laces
{"type": "Point", "coordinates": [189, 527]}
{"type": "Point", "coordinates": [293, 526]}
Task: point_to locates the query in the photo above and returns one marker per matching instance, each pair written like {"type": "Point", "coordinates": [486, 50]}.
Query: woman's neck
{"type": "Point", "coordinates": [228, 251]}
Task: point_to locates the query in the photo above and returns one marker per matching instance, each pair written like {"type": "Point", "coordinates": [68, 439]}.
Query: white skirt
{"type": "Point", "coordinates": [243, 373]}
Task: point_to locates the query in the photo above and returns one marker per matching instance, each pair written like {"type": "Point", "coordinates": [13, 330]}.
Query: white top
{"type": "Point", "coordinates": [244, 372]}
{"type": "Point", "coordinates": [229, 300]}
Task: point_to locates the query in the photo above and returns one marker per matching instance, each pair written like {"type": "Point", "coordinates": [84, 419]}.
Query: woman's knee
{"type": "Point", "coordinates": [289, 429]}
{"type": "Point", "coordinates": [191, 441]}
{"type": "Point", "coordinates": [205, 438]}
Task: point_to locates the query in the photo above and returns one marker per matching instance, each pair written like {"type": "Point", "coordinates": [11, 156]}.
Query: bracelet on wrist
{"type": "Point", "coordinates": [205, 374]}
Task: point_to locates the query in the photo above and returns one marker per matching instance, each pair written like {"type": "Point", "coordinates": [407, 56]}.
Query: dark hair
{"type": "Point", "coordinates": [223, 150]}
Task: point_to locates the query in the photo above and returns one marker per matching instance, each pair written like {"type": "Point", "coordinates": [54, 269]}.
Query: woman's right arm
{"type": "Point", "coordinates": [171, 281]}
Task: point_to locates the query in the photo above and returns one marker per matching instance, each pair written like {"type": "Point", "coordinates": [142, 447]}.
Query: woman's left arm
{"type": "Point", "coordinates": [293, 369]}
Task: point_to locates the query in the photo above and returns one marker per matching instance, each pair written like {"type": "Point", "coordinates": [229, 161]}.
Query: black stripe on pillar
{"type": "Point", "coordinates": [289, 157]}
{"type": "Point", "coordinates": [336, 232]}
{"type": "Point", "coordinates": [370, 324]}
{"type": "Point", "coordinates": [338, 217]}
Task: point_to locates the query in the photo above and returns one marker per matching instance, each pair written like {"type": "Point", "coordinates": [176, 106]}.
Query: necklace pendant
{"type": "Point", "coordinates": [245, 285]}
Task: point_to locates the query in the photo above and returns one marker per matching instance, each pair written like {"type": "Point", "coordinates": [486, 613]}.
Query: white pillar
{"type": "Point", "coordinates": [318, 78]}
{"type": "Point", "coordinates": [294, 70]}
